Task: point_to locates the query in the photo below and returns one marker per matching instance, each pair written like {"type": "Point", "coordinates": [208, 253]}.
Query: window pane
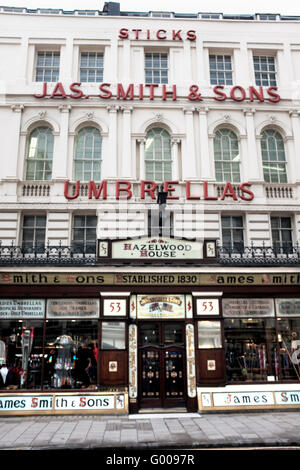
{"type": "Point", "coordinates": [22, 361]}
{"type": "Point", "coordinates": [209, 334]}
{"type": "Point", "coordinates": [250, 349]}
{"type": "Point", "coordinates": [113, 335]}
{"type": "Point", "coordinates": [71, 354]}
{"type": "Point", "coordinates": [149, 334]}
{"type": "Point", "coordinates": [288, 335]}
{"type": "Point", "coordinates": [173, 333]}
{"type": "Point", "coordinates": [158, 149]}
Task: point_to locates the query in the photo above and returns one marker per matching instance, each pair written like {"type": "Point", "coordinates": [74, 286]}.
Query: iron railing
{"type": "Point", "coordinates": [284, 254]}
{"type": "Point", "coordinates": [40, 254]}
{"type": "Point", "coordinates": [86, 254]}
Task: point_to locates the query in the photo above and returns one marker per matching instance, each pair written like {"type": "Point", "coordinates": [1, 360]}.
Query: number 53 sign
{"type": "Point", "coordinates": [114, 307]}
{"type": "Point", "coordinates": [207, 307]}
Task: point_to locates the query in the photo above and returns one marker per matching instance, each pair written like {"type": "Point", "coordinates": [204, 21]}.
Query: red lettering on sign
{"type": "Point", "coordinates": [97, 192]}
{"type": "Point", "coordinates": [150, 190]}
{"type": "Point", "coordinates": [127, 189]}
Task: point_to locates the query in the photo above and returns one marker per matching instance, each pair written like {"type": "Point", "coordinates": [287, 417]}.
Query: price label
{"type": "Point", "coordinates": [114, 307]}
{"type": "Point", "coordinates": [207, 307]}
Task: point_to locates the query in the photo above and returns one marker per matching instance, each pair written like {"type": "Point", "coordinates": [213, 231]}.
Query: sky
{"type": "Point", "coordinates": [288, 7]}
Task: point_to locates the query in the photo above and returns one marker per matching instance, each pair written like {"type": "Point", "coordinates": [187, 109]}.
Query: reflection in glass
{"type": "Point", "coordinates": [209, 334]}
{"type": "Point", "coordinates": [250, 349]}
{"type": "Point", "coordinates": [21, 355]}
{"type": "Point", "coordinates": [70, 354]}
{"type": "Point", "coordinates": [173, 333]}
{"type": "Point", "coordinates": [289, 343]}
{"type": "Point", "coordinates": [149, 333]}
{"type": "Point", "coordinates": [113, 335]}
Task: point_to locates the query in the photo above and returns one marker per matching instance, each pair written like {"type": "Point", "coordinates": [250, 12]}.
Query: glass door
{"type": "Point", "coordinates": [162, 364]}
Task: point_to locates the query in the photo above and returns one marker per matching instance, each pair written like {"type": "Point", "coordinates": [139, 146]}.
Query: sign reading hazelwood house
{"type": "Point", "coordinates": [152, 248]}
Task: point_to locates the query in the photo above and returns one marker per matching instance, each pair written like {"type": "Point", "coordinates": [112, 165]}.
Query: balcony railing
{"type": "Point", "coordinates": [85, 254]}
{"type": "Point", "coordinates": [40, 254]}
{"type": "Point", "coordinates": [264, 255]}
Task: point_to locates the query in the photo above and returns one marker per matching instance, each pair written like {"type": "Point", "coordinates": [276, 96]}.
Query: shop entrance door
{"type": "Point", "coordinates": [161, 365]}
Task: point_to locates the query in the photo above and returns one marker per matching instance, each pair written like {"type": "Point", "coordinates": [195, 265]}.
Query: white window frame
{"type": "Point", "coordinates": [155, 161]}
{"type": "Point", "coordinates": [34, 227]}
{"type": "Point", "coordinates": [46, 67]}
{"type": "Point", "coordinates": [91, 68]}
{"type": "Point", "coordinates": [218, 80]}
{"type": "Point", "coordinates": [83, 160]}
{"type": "Point", "coordinates": [158, 70]}
{"type": "Point", "coordinates": [267, 81]}
{"type": "Point", "coordinates": [230, 162]}
{"type": "Point", "coordinates": [232, 227]}
{"type": "Point", "coordinates": [273, 163]}
{"type": "Point", "coordinates": [35, 159]}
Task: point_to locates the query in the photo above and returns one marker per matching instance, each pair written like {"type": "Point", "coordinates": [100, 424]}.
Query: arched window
{"type": "Point", "coordinates": [40, 154]}
{"type": "Point", "coordinates": [158, 159]}
{"type": "Point", "coordinates": [227, 156]}
{"type": "Point", "coordinates": [273, 157]}
{"type": "Point", "coordinates": [88, 154]}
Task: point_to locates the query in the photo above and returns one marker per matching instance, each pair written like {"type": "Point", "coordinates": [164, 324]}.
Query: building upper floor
{"type": "Point", "coordinates": [156, 48]}
{"type": "Point", "coordinates": [77, 153]}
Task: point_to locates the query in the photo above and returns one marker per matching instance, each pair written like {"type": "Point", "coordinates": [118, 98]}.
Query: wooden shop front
{"type": "Point", "coordinates": [118, 341]}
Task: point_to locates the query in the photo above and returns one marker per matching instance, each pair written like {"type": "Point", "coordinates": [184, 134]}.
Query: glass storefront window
{"type": "Point", "coordinates": [71, 351]}
{"type": "Point", "coordinates": [289, 343]}
{"type": "Point", "coordinates": [250, 349]}
{"type": "Point", "coordinates": [21, 353]}
{"type": "Point", "coordinates": [113, 335]}
{"type": "Point", "coordinates": [209, 334]}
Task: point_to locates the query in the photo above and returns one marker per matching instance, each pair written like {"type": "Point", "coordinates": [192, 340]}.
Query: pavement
{"type": "Point", "coordinates": [151, 431]}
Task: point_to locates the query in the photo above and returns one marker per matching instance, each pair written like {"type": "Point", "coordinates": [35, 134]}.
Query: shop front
{"type": "Point", "coordinates": [68, 345]}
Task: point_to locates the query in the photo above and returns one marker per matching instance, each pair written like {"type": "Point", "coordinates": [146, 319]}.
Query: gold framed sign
{"type": "Point", "coordinates": [160, 306]}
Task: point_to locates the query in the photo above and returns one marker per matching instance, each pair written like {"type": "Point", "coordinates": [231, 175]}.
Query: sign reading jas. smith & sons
{"type": "Point", "coordinates": [153, 248]}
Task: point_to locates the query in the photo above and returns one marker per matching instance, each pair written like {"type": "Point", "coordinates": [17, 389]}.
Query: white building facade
{"type": "Point", "coordinates": [193, 303]}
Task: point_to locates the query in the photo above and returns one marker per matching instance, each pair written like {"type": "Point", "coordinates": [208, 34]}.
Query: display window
{"type": "Point", "coordinates": [71, 354]}
{"type": "Point", "coordinates": [250, 349]}
{"type": "Point", "coordinates": [21, 354]}
{"type": "Point", "coordinates": [289, 342]}
{"type": "Point", "coordinates": [59, 347]}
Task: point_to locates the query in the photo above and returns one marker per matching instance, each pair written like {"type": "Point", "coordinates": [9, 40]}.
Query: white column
{"type": "Point", "coordinates": [126, 61]}
{"type": "Point", "coordinates": [111, 62]}
{"type": "Point", "coordinates": [13, 139]}
{"type": "Point", "coordinates": [66, 62]}
{"type": "Point", "coordinates": [241, 73]}
{"type": "Point", "coordinates": [294, 114]}
{"type": "Point", "coordinates": [189, 164]}
{"type": "Point", "coordinates": [201, 77]}
{"type": "Point", "coordinates": [111, 157]}
{"type": "Point", "coordinates": [175, 162]}
{"type": "Point", "coordinates": [253, 167]}
{"type": "Point", "coordinates": [22, 78]}
{"type": "Point", "coordinates": [60, 154]}
{"type": "Point", "coordinates": [285, 68]}
{"type": "Point", "coordinates": [205, 161]}
{"type": "Point", "coordinates": [142, 159]}
{"type": "Point", "coordinates": [126, 163]}
{"type": "Point", "coordinates": [187, 62]}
